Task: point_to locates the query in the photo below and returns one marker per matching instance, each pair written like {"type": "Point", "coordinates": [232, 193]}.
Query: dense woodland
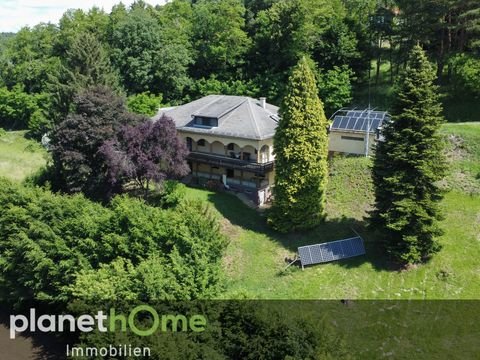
{"type": "Point", "coordinates": [185, 49]}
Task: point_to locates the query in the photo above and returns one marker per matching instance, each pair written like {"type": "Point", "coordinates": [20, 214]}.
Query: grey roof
{"type": "Point", "coordinates": [360, 121]}
{"type": "Point", "coordinates": [238, 116]}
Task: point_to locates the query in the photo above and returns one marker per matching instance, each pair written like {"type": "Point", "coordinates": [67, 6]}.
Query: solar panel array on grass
{"type": "Point", "coordinates": [331, 251]}
{"type": "Point", "coordinates": [356, 120]}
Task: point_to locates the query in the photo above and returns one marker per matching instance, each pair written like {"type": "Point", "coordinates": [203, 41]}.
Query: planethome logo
{"type": "Point", "coordinates": [112, 323]}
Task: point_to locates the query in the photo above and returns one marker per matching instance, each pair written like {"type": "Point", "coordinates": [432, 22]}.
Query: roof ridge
{"type": "Point", "coordinates": [215, 98]}
{"type": "Point", "coordinates": [244, 98]}
{"type": "Point", "coordinates": [230, 111]}
{"type": "Point", "coordinates": [254, 118]}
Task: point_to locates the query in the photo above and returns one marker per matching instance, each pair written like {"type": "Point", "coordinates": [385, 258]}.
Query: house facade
{"type": "Point", "coordinates": [230, 139]}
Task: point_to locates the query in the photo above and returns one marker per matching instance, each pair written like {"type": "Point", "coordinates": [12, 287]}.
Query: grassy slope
{"type": "Point", "coordinates": [464, 157]}
{"type": "Point", "coordinates": [256, 255]}
{"type": "Point", "coordinates": [19, 157]}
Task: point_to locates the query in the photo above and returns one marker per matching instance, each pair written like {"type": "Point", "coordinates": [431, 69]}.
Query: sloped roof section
{"type": "Point", "coordinates": [238, 116]}
{"type": "Point", "coordinates": [359, 121]}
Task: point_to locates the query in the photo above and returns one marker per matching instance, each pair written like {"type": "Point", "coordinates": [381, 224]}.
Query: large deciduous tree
{"type": "Point", "coordinates": [219, 37]}
{"type": "Point", "coordinates": [289, 29]}
{"type": "Point", "coordinates": [408, 165]}
{"type": "Point", "coordinates": [148, 56]}
{"type": "Point", "coordinates": [99, 115]}
{"type": "Point", "coordinates": [149, 152]}
{"type": "Point", "coordinates": [301, 149]}
{"type": "Point", "coordinates": [29, 59]}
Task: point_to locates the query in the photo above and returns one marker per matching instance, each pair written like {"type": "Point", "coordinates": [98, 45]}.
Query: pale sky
{"type": "Point", "coordinates": [15, 14]}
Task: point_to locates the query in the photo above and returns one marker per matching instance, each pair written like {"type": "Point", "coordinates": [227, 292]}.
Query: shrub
{"type": "Point", "coordinates": [144, 103]}
{"type": "Point", "coordinates": [173, 192]}
{"type": "Point", "coordinates": [16, 108]}
{"type": "Point", "coordinates": [55, 248]}
{"type": "Point", "coordinates": [466, 75]}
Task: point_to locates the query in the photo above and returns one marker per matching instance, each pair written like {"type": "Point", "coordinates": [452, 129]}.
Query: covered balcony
{"type": "Point", "coordinates": [231, 162]}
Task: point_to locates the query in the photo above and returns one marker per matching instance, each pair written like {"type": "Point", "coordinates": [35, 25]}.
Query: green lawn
{"type": "Point", "coordinates": [464, 157]}
{"type": "Point", "coordinates": [255, 258]}
{"type": "Point", "coordinates": [19, 157]}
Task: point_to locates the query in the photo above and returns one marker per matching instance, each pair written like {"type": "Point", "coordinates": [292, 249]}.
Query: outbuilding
{"type": "Point", "coordinates": [353, 131]}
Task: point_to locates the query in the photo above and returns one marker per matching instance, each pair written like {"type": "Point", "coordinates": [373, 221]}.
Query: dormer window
{"type": "Point", "coordinates": [205, 121]}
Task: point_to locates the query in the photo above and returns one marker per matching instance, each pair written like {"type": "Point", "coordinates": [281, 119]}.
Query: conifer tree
{"type": "Point", "coordinates": [301, 150]}
{"type": "Point", "coordinates": [408, 165]}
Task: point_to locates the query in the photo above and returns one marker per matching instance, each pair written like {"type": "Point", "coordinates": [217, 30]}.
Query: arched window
{"type": "Point", "coordinates": [189, 143]}
{"type": "Point", "coordinates": [264, 154]}
{"type": "Point", "coordinates": [218, 148]}
{"type": "Point", "coordinates": [233, 151]}
{"type": "Point", "coordinates": [249, 153]}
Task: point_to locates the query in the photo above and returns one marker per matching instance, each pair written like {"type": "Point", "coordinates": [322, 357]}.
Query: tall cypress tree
{"type": "Point", "coordinates": [301, 150]}
{"type": "Point", "coordinates": [408, 165]}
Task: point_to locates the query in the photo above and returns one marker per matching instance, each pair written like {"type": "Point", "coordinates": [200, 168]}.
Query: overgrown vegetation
{"type": "Point", "coordinates": [58, 248]}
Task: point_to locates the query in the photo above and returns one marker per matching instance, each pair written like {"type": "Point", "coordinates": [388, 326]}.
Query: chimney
{"type": "Point", "coordinates": [263, 102]}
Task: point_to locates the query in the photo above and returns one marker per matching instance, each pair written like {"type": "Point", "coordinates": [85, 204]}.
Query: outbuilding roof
{"type": "Point", "coordinates": [361, 121]}
{"type": "Point", "coordinates": [238, 116]}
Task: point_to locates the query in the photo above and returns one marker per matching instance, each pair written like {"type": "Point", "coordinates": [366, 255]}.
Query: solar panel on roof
{"type": "Point", "coordinates": [358, 125]}
{"type": "Point", "coordinates": [359, 120]}
{"type": "Point", "coordinates": [331, 251]}
{"type": "Point", "coordinates": [343, 122]}
{"type": "Point", "coordinates": [348, 123]}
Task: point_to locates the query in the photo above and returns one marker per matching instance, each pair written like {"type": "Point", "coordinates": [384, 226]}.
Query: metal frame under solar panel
{"type": "Point", "coordinates": [331, 251]}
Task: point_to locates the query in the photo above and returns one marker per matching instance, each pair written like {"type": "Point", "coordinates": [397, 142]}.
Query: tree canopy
{"type": "Point", "coordinates": [186, 49]}
{"type": "Point", "coordinates": [150, 152]}
{"type": "Point", "coordinates": [408, 165]}
{"type": "Point", "coordinates": [301, 149]}
{"type": "Point", "coordinates": [98, 117]}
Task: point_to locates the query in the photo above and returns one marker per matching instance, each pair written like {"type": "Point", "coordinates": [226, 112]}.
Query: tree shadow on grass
{"type": "Point", "coordinates": [332, 229]}
{"type": "Point", "coordinates": [27, 345]}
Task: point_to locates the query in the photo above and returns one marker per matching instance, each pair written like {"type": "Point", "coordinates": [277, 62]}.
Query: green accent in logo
{"type": "Point", "coordinates": [143, 332]}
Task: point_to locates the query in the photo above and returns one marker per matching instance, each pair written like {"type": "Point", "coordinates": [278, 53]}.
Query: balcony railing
{"type": "Point", "coordinates": [224, 161]}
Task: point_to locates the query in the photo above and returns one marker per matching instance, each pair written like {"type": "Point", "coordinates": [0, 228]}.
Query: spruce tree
{"type": "Point", "coordinates": [408, 165]}
{"type": "Point", "coordinates": [301, 150]}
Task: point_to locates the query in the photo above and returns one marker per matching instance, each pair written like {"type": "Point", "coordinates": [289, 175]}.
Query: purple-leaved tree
{"type": "Point", "coordinates": [145, 153]}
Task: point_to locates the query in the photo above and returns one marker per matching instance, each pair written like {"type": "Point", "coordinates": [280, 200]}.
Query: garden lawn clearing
{"type": "Point", "coordinates": [257, 256]}
{"type": "Point", "coordinates": [19, 157]}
